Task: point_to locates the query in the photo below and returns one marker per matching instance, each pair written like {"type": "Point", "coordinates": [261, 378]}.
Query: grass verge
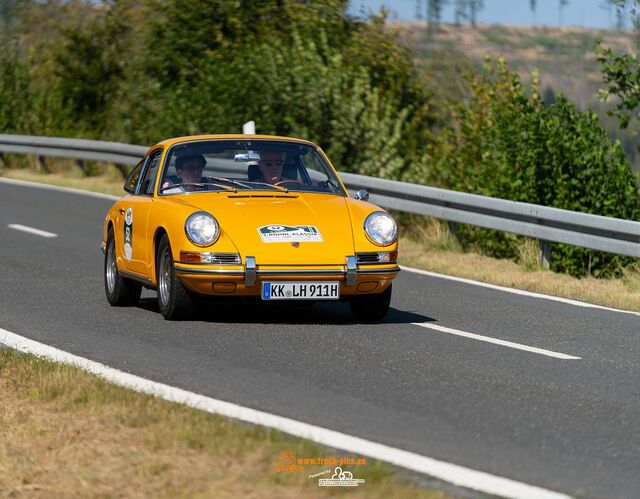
{"type": "Point", "coordinates": [67, 433]}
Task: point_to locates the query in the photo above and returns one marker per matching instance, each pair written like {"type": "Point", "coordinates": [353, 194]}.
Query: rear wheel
{"type": "Point", "coordinates": [371, 308]}
{"type": "Point", "coordinates": [120, 290]}
{"type": "Point", "coordinates": [174, 300]}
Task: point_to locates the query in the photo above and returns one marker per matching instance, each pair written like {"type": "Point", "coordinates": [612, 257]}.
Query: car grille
{"type": "Point", "coordinates": [364, 258]}
{"type": "Point", "coordinates": [225, 258]}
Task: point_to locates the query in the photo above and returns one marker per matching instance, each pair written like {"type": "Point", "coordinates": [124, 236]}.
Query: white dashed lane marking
{"type": "Point", "coordinates": [488, 339]}
{"type": "Point", "coordinates": [31, 230]}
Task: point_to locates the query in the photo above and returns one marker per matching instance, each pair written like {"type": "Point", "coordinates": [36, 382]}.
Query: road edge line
{"type": "Point", "coordinates": [448, 472]}
{"type": "Point", "coordinates": [522, 292]}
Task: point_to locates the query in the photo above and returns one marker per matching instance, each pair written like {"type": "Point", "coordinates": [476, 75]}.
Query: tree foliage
{"type": "Point", "coordinates": [505, 143]}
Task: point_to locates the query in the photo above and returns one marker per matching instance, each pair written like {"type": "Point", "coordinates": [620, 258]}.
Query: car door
{"type": "Point", "coordinates": [135, 210]}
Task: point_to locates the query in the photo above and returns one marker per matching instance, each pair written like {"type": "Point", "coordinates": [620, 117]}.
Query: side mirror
{"type": "Point", "coordinates": [362, 195]}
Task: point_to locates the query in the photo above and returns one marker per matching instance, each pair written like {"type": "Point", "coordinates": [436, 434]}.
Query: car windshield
{"type": "Point", "coordinates": [239, 165]}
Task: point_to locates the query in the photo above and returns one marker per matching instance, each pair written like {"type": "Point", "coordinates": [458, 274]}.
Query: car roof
{"type": "Point", "coordinates": [176, 140]}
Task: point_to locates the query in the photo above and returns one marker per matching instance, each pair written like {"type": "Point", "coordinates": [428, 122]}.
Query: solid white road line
{"type": "Point", "coordinates": [452, 473]}
{"type": "Point", "coordinates": [489, 339]}
{"type": "Point", "coordinates": [31, 230]}
{"type": "Point", "coordinates": [514, 291]}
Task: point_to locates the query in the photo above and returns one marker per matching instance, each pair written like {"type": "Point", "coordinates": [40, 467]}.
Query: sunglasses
{"type": "Point", "coordinates": [270, 162]}
{"type": "Point", "coordinates": [192, 166]}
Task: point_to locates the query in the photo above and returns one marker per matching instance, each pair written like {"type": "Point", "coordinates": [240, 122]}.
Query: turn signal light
{"type": "Point", "coordinates": [190, 257]}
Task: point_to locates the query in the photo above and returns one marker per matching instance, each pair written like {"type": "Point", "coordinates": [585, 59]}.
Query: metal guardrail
{"type": "Point", "coordinates": [547, 224]}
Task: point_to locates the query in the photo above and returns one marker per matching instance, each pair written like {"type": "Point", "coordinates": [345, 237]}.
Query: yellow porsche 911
{"type": "Point", "coordinates": [249, 216]}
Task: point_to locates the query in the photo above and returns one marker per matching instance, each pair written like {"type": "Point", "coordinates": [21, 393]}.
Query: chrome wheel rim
{"type": "Point", "coordinates": [112, 271]}
{"type": "Point", "coordinates": [164, 276]}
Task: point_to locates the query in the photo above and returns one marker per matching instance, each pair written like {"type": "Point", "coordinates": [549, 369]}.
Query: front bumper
{"type": "Point", "coordinates": [247, 279]}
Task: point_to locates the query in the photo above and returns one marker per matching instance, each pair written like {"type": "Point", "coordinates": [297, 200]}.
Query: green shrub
{"type": "Point", "coordinates": [505, 143]}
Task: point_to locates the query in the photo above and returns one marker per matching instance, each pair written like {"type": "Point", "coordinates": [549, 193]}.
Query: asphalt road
{"type": "Point", "coordinates": [571, 426]}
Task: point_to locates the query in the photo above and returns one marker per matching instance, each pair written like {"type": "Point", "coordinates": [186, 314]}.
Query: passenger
{"type": "Point", "coordinates": [270, 166]}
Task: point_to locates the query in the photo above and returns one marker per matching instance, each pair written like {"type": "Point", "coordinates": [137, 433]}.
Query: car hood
{"type": "Point", "coordinates": [284, 228]}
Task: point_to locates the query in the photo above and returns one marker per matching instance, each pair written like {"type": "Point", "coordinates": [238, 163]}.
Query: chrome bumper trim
{"type": "Point", "coordinates": [183, 270]}
{"type": "Point", "coordinates": [250, 276]}
{"type": "Point", "coordinates": [300, 272]}
{"type": "Point", "coordinates": [352, 270]}
{"type": "Point", "coordinates": [250, 271]}
{"type": "Point", "coordinates": [379, 271]}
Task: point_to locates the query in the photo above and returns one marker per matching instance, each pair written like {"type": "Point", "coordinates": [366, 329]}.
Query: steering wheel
{"type": "Point", "coordinates": [289, 181]}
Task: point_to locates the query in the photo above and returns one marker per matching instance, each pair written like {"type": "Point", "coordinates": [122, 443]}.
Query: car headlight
{"type": "Point", "coordinates": [202, 229]}
{"type": "Point", "coordinates": [380, 228]}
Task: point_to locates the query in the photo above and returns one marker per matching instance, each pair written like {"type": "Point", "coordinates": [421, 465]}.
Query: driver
{"type": "Point", "coordinates": [189, 168]}
{"type": "Point", "coordinates": [189, 171]}
{"type": "Point", "coordinates": [270, 166]}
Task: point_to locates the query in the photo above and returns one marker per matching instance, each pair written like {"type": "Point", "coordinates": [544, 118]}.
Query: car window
{"type": "Point", "coordinates": [257, 164]}
{"type": "Point", "coordinates": [132, 179]}
{"type": "Point", "coordinates": [148, 181]}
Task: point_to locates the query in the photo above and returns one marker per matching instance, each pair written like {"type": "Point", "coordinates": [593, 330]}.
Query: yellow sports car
{"type": "Point", "coordinates": [249, 216]}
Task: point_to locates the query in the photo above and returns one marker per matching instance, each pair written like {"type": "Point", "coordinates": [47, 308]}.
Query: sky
{"type": "Point", "coordinates": [586, 13]}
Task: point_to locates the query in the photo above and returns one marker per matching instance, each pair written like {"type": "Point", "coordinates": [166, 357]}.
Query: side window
{"type": "Point", "coordinates": [148, 181]}
{"type": "Point", "coordinates": [132, 179]}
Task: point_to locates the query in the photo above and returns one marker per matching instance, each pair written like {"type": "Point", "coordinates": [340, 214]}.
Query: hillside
{"type": "Point", "coordinates": [564, 57]}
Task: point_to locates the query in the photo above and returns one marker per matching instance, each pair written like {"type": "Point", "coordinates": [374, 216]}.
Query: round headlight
{"type": "Point", "coordinates": [380, 228]}
{"type": "Point", "coordinates": [202, 229]}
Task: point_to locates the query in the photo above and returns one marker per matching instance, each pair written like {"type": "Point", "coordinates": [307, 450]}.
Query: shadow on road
{"type": "Point", "coordinates": [255, 311]}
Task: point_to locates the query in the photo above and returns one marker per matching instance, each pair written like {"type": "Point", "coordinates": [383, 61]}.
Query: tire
{"type": "Point", "coordinates": [174, 301]}
{"type": "Point", "coordinates": [120, 291]}
{"type": "Point", "coordinates": [371, 308]}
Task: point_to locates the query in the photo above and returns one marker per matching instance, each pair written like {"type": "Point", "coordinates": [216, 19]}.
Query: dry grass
{"type": "Point", "coordinates": [66, 433]}
{"type": "Point", "coordinates": [65, 174]}
{"type": "Point", "coordinates": [432, 249]}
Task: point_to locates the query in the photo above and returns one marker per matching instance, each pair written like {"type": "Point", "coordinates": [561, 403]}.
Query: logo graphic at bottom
{"type": "Point", "coordinates": [340, 479]}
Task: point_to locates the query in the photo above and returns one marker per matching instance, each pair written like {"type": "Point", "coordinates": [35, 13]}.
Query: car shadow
{"type": "Point", "coordinates": [255, 311]}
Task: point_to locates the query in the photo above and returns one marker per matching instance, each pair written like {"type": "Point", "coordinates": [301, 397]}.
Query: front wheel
{"type": "Point", "coordinates": [119, 290]}
{"type": "Point", "coordinates": [174, 301]}
{"type": "Point", "coordinates": [371, 308]}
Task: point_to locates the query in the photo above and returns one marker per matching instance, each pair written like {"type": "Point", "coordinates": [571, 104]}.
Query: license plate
{"type": "Point", "coordinates": [301, 290]}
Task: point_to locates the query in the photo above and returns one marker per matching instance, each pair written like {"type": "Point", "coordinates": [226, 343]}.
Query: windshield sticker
{"type": "Point", "coordinates": [128, 234]}
{"type": "Point", "coordinates": [290, 234]}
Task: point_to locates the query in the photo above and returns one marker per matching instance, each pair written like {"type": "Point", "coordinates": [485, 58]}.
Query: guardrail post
{"type": "Point", "coordinates": [545, 254]}
{"type": "Point", "coordinates": [43, 164]}
{"type": "Point", "coordinates": [82, 165]}
{"type": "Point", "coordinates": [453, 228]}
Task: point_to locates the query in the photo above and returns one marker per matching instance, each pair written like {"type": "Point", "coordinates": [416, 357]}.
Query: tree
{"type": "Point", "coordinates": [460, 11]}
{"type": "Point", "coordinates": [504, 142]}
{"type": "Point", "coordinates": [434, 12]}
{"type": "Point", "coordinates": [561, 5]}
{"type": "Point", "coordinates": [475, 6]}
{"type": "Point", "coordinates": [621, 74]}
{"type": "Point", "coordinates": [532, 6]}
{"type": "Point", "coordinates": [91, 64]}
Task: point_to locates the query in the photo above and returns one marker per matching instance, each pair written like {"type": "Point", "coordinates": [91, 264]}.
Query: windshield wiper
{"type": "Point", "coordinates": [199, 184]}
{"type": "Point", "coordinates": [277, 187]}
{"type": "Point", "coordinates": [228, 180]}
